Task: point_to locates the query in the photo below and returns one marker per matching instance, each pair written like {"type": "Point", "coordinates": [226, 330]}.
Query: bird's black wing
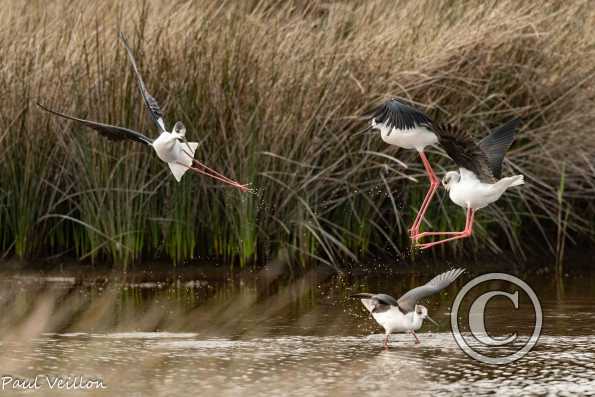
{"type": "Point", "coordinates": [150, 101]}
{"type": "Point", "coordinates": [497, 143]}
{"type": "Point", "coordinates": [385, 299]}
{"type": "Point", "coordinates": [461, 147]}
{"type": "Point", "coordinates": [408, 301]}
{"type": "Point", "coordinates": [109, 131]}
{"type": "Point", "coordinates": [376, 303]}
{"type": "Point", "coordinates": [381, 298]}
{"type": "Point", "coordinates": [396, 114]}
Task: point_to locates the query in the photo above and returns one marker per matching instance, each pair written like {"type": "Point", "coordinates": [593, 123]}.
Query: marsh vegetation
{"type": "Point", "coordinates": [274, 92]}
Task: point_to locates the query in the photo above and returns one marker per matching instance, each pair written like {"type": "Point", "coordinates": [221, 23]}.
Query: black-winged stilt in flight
{"type": "Point", "coordinates": [403, 126]}
{"type": "Point", "coordinates": [171, 147]}
{"type": "Point", "coordinates": [477, 183]}
{"type": "Point", "coordinates": [404, 314]}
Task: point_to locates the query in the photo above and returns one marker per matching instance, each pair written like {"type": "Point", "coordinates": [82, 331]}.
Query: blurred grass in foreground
{"type": "Point", "coordinates": [273, 91]}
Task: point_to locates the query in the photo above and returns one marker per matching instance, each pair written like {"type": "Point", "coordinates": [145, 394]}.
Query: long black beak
{"type": "Point", "coordinates": [430, 318]}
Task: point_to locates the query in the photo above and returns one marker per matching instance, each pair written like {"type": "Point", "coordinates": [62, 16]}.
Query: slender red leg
{"type": "Point", "coordinates": [426, 234]}
{"type": "Point", "coordinates": [458, 235]}
{"type": "Point", "coordinates": [204, 170]}
{"type": "Point", "coordinates": [434, 183]}
{"type": "Point", "coordinates": [386, 342]}
{"type": "Point", "coordinates": [213, 173]}
{"type": "Point", "coordinates": [416, 338]}
{"type": "Point", "coordinates": [210, 170]}
{"type": "Point", "coordinates": [243, 188]}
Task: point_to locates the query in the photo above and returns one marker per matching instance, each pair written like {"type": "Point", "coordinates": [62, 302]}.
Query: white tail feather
{"type": "Point", "coordinates": [517, 180]}
{"type": "Point", "coordinates": [368, 304]}
{"type": "Point", "coordinates": [181, 166]}
{"type": "Point", "coordinates": [178, 170]}
{"type": "Point", "coordinates": [507, 182]}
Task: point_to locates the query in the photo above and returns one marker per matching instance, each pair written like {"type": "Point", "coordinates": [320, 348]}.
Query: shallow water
{"type": "Point", "coordinates": [257, 334]}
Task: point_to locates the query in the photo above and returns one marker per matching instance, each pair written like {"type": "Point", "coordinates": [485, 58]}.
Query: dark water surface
{"type": "Point", "coordinates": [210, 332]}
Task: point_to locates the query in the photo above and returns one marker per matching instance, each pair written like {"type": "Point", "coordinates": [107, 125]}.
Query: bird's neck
{"type": "Point", "coordinates": [416, 321]}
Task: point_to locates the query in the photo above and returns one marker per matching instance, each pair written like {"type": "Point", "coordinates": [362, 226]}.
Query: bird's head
{"type": "Point", "coordinates": [450, 178]}
{"type": "Point", "coordinates": [376, 127]}
{"type": "Point", "coordinates": [373, 125]}
{"type": "Point", "coordinates": [179, 130]}
{"type": "Point", "coordinates": [422, 312]}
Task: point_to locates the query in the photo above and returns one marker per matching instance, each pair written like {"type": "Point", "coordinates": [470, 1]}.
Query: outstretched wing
{"type": "Point", "coordinates": [372, 301]}
{"type": "Point", "coordinates": [385, 299]}
{"type": "Point", "coordinates": [397, 115]}
{"type": "Point", "coordinates": [497, 143]}
{"type": "Point", "coordinates": [461, 147]}
{"type": "Point", "coordinates": [152, 105]}
{"type": "Point", "coordinates": [109, 131]}
{"type": "Point", "coordinates": [408, 301]}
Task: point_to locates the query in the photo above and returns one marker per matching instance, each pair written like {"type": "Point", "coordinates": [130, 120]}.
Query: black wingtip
{"type": "Point", "coordinates": [44, 107]}
{"type": "Point", "coordinates": [509, 128]}
{"type": "Point", "coordinates": [123, 39]}
{"type": "Point", "coordinates": [398, 113]}
{"type": "Point", "coordinates": [497, 143]}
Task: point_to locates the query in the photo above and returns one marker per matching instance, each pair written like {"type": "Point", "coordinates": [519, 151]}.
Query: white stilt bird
{"type": "Point", "coordinates": [477, 183]}
{"type": "Point", "coordinates": [171, 147]}
{"type": "Point", "coordinates": [404, 314]}
{"type": "Point", "coordinates": [408, 128]}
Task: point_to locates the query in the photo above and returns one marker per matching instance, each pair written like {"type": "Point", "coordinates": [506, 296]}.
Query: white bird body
{"type": "Point", "coordinates": [468, 191]}
{"type": "Point", "coordinates": [414, 138]}
{"type": "Point", "coordinates": [178, 155]}
{"type": "Point", "coordinates": [393, 320]}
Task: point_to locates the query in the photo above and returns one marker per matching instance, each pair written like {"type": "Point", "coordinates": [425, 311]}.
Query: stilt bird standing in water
{"type": "Point", "coordinates": [403, 126]}
{"type": "Point", "coordinates": [477, 183]}
{"type": "Point", "coordinates": [404, 314]}
{"type": "Point", "coordinates": [171, 147]}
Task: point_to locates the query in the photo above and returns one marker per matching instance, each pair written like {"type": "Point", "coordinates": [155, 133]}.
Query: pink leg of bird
{"type": "Point", "coordinates": [386, 342]}
{"type": "Point", "coordinates": [211, 172]}
{"type": "Point", "coordinates": [416, 338]}
{"type": "Point", "coordinates": [457, 235]}
{"type": "Point", "coordinates": [426, 234]}
{"type": "Point", "coordinates": [243, 188]}
{"type": "Point", "coordinates": [434, 182]}
{"type": "Point", "coordinates": [204, 170]}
